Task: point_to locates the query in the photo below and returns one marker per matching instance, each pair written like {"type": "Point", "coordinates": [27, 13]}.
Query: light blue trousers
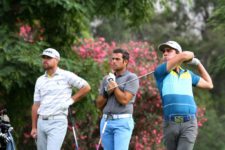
{"type": "Point", "coordinates": [51, 133]}
{"type": "Point", "coordinates": [117, 133]}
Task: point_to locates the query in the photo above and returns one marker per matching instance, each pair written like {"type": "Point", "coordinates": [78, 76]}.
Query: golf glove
{"type": "Point", "coordinates": [66, 104]}
{"type": "Point", "coordinates": [111, 77]}
{"type": "Point", "coordinates": [194, 61]}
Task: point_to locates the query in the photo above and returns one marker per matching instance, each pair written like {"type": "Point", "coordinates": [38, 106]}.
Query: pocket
{"type": "Point", "coordinates": [165, 124]}
{"type": "Point", "coordinates": [130, 124]}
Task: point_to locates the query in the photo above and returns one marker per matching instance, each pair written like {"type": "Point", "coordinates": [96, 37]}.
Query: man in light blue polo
{"type": "Point", "coordinates": [175, 83]}
{"type": "Point", "coordinates": [117, 103]}
{"type": "Point", "coordinates": [52, 97]}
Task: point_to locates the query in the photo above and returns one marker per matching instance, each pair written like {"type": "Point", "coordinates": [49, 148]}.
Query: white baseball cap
{"type": "Point", "coordinates": [51, 53]}
{"type": "Point", "coordinates": [171, 44]}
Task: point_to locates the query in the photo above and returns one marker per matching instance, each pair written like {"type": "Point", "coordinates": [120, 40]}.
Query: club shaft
{"type": "Point", "coordinates": [73, 128]}
{"type": "Point", "coordinates": [103, 130]}
{"type": "Point", "coordinates": [132, 80]}
{"type": "Point", "coordinates": [75, 137]}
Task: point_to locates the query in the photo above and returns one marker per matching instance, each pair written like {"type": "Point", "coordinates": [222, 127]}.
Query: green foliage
{"type": "Point", "coordinates": [211, 135]}
{"type": "Point", "coordinates": [217, 20]}
{"type": "Point", "coordinates": [20, 65]}
{"type": "Point", "coordinates": [62, 20]}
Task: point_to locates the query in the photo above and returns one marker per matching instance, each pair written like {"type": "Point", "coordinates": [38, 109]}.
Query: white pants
{"type": "Point", "coordinates": [51, 133]}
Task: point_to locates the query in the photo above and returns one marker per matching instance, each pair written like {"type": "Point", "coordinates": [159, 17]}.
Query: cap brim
{"type": "Point", "coordinates": [163, 46]}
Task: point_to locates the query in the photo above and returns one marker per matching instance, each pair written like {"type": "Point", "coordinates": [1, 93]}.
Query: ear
{"type": "Point", "coordinates": [126, 62]}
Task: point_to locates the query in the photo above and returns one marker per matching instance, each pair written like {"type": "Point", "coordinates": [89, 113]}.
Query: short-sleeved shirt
{"type": "Point", "coordinates": [112, 105]}
{"type": "Point", "coordinates": [176, 90]}
{"type": "Point", "coordinates": [51, 92]}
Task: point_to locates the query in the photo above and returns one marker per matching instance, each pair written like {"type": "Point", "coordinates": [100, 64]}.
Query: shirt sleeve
{"type": "Point", "coordinates": [37, 94]}
{"type": "Point", "coordinates": [195, 78]}
{"type": "Point", "coordinates": [102, 86]}
{"type": "Point", "coordinates": [76, 81]}
{"type": "Point", "coordinates": [132, 86]}
{"type": "Point", "coordinates": [160, 72]}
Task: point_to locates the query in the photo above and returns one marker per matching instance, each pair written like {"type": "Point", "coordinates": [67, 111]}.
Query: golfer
{"type": "Point", "coordinates": [117, 103]}
{"type": "Point", "coordinates": [175, 86]}
{"type": "Point", "coordinates": [52, 97]}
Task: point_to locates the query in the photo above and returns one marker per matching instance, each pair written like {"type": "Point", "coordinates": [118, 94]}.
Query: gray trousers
{"type": "Point", "coordinates": [180, 136]}
{"type": "Point", "coordinates": [51, 134]}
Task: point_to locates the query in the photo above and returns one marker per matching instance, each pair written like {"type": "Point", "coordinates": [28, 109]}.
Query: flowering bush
{"type": "Point", "coordinates": [30, 33]}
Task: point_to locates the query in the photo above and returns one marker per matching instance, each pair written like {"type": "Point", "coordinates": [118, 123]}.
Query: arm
{"type": "Point", "coordinates": [205, 80]}
{"type": "Point", "coordinates": [81, 93]}
{"type": "Point", "coordinates": [123, 97]}
{"type": "Point", "coordinates": [34, 115]}
{"type": "Point", "coordinates": [101, 102]}
{"type": "Point", "coordinates": [179, 59]}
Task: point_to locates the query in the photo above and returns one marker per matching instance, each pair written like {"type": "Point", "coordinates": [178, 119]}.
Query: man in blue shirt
{"type": "Point", "coordinates": [116, 100]}
{"type": "Point", "coordinates": [180, 126]}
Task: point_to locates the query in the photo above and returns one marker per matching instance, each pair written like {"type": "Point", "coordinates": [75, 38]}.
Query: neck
{"type": "Point", "coordinates": [120, 72]}
{"type": "Point", "coordinates": [177, 69]}
{"type": "Point", "coordinates": [51, 71]}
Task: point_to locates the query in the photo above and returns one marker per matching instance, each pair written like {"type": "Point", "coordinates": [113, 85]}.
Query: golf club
{"type": "Point", "coordinates": [73, 128]}
{"type": "Point", "coordinates": [103, 130]}
{"type": "Point", "coordinates": [132, 80]}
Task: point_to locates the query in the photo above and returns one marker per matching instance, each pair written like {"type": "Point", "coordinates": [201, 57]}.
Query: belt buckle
{"type": "Point", "coordinates": [109, 116]}
{"type": "Point", "coordinates": [44, 117]}
{"type": "Point", "coordinates": [178, 119]}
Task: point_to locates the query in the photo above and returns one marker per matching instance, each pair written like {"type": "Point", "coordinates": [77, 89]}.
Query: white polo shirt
{"type": "Point", "coordinates": [53, 91]}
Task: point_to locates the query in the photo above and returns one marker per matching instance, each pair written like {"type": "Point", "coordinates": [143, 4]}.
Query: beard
{"type": "Point", "coordinates": [46, 66]}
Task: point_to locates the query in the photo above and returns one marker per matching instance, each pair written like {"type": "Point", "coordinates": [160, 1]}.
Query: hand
{"type": "Point", "coordinates": [66, 105]}
{"type": "Point", "coordinates": [111, 77]}
{"type": "Point", "coordinates": [194, 61]}
{"type": "Point", "coordinates": [111, 87]}
{"type": "Point", "coordinates": [33, 133]}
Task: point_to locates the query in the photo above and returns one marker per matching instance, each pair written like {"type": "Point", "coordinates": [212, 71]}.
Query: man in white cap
{"type": "Point", "coordinates": [180, 126]}
{"type": "Point", "coordinates": [52, 97]}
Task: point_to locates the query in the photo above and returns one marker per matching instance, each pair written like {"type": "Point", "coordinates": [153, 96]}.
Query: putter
{"type": "Point", "coordinates": [73, 128]}
{"type": "Point", "coordinates": [105, 124]}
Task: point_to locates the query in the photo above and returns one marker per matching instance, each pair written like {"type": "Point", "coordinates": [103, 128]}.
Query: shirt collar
{"type": "Point", "coordinates": [123, 74]}
{"type": "Point", "coordinates": [57, 72]}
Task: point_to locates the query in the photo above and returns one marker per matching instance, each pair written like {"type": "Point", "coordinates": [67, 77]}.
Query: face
{"type": "Point", "coordinates": [117, 62]}
{"type": "Point", "coordinates": [168, 53]}
{"type": "Point", "coordinates": [49, 62]}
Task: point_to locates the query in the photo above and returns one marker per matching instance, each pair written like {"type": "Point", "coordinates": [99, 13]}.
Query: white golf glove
{"type": "Point", "coordinates": [194, 61]}
{"type": "Point", "coordinates": [67, 104]}
{"type": "Point", "coordinates": [111, 77]}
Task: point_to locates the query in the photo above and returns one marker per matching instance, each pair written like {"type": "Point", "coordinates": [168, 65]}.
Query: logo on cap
{"type": "Point", "coordinates": [51, 53]}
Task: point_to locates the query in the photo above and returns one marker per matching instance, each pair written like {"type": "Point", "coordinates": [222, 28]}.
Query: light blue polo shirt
{"type": "Point", "coordinates": [176, 90]}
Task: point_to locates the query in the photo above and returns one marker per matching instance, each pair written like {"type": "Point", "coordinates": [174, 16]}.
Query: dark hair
{"type": "Point", "coordinates": [125, 54]}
